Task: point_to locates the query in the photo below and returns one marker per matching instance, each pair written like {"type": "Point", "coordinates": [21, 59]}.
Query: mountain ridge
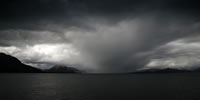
{"type": "Point", "coordinates": [11, 64]}
{"type": "Point", "coordinates": [165, 70]}
{"type": "Point", "coordinates": [62, 69]}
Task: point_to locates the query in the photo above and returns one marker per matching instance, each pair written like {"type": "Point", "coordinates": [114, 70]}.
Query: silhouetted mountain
{"type": "Point", "coordinates": [166, 70]}
{"type": "Point", "coordinates": [62, 69]}
{"type": "Point", "coordinates": [11, 64]}
{"type": "Point", "coordinates": [196, 70]}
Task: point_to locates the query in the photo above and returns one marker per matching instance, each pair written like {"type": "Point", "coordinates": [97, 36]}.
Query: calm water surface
{"type": "Point", "coordinates": [182, 86]}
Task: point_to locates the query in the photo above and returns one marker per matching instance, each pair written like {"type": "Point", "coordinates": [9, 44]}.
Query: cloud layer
{"type": "Point", "coordinates": [102, 36]}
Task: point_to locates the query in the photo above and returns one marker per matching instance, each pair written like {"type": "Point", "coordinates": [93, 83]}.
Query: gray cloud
{"type": "Point", "coordinates": [116, 48]}
{"type": "Point", "coordinates": [109, 35]}
{"type": "Point", "coordinates": [176, 54]}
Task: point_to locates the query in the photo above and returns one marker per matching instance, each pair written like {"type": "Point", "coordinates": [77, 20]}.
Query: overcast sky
{"type": "Point", "coordinates": [102, 35]}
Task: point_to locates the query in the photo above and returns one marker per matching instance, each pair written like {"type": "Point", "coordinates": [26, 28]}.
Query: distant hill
{"type": "Point", "coordinates": [166, 70]}
{"type": "Point", "coordinates": [196, 70]}
{"type": "Point", "coordinates": [10, 64]}
{"type": "Point", "coordinates": [62, 69]}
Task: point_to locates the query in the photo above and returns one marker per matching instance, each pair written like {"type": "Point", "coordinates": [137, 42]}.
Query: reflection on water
{"type": "Point", "coordinates": [100, 87]}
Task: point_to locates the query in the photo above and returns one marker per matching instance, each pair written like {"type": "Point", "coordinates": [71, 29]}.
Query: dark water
{"type": "Point", "coordinates": [185, 86]}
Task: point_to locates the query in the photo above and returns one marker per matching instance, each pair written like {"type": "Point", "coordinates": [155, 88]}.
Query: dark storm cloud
{"type": "Point", "coordinates": [59, 15]}
{"type": "Point", "coordinates": [59, 11]}
{"type": "Point", "coordinates": [111, 35]}
{"type": "Point", "coordinates": [116, 48]}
